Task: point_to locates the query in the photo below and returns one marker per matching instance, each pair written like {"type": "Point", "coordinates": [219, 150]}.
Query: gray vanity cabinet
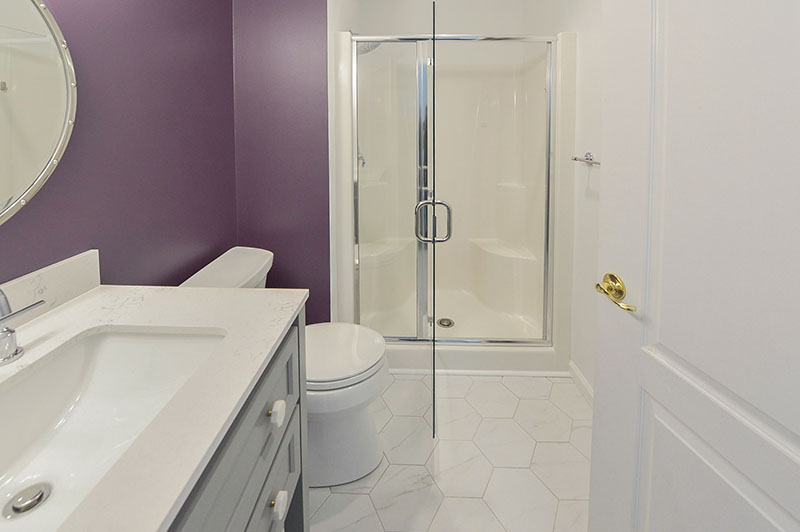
{"type": "Point", "coordinates": [254, 482]}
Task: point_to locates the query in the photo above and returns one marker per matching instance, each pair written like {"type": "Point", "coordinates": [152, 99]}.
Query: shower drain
{"type": "Point", "coordinates": [445, 323]}
{"type": "Point", "coordinates": [27, 500]}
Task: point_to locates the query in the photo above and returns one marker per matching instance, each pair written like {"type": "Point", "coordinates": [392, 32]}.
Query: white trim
{"type": "Point", "coordinates": [333, 270]}
{"type": "Point", "coordinates": [340, 171]}
{"type": "Point", "coordinates": [483, 373]}
{"type": "Point", "coordinates": [581, 382]}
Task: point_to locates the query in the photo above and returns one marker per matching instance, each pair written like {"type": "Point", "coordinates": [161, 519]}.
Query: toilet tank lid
{"type": "Point", "coordinates": [236, 268]}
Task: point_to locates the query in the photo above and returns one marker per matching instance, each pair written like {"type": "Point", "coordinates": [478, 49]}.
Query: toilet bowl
{"type": "Point", "coordinates": [345, 372]}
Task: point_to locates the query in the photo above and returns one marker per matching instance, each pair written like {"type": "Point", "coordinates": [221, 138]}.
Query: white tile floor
{"type": "Point", "coordinates": [512, 454]}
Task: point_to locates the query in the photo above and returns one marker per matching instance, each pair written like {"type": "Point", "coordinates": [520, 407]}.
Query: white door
{"type": "Point", "coordinates": [697, 400]}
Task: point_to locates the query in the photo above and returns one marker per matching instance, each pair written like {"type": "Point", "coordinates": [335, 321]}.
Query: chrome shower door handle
{"type": "Point", "coordinates": [449, 210]}
{"type": "Point", "coordinates": [417, 219]}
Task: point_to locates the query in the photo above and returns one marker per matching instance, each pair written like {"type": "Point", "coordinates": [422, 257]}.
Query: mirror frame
{"type": "Point", "coordinates": [66, 130]}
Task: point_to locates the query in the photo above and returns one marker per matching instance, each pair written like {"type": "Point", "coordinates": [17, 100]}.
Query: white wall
{"type": "Point", "coordinates": [489, 17]}
{"type": "Point", "coordinates": [585, 18]}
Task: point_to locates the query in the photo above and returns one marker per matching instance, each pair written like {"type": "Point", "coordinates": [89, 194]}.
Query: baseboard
{"type": "Point", "coordinates": [581, 382]}
{"type": "Point", "coordinates": [481, 373]}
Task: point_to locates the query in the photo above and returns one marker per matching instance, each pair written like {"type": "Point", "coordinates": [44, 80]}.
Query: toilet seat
{"type": "Point", "coordinates": [323, 386]}
{"type": "Point", "coordinates": [339, 355]}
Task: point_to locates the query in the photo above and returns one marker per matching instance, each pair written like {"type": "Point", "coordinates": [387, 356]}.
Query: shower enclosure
{"type": "Point", "coordinates": [451, 191]}
{"type": "Point", "coordinates": [451, 186]}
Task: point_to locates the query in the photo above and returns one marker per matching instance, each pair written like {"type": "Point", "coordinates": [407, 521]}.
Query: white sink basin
{"type": "Point", "coordinates": [71, 414]}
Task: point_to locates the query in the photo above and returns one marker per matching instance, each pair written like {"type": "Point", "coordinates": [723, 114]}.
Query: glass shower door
{"type": "Point", "coordinates": [492, 172]}
{"type": "Point", "coordinates": [387, 170]}
{"type": "Point", "coordinates": [452, 193]}
{"type": "Point", "coordinates": [393, 261]}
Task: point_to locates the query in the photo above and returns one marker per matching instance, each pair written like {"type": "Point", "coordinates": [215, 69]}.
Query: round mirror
{"type": "Point", "coordinates": [37, 101]}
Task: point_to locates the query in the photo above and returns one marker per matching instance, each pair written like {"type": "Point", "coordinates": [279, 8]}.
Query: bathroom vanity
{"type": "Point", "coordinates": [253, 481]}
{"type": "Point", "coordinates": [153, 408]}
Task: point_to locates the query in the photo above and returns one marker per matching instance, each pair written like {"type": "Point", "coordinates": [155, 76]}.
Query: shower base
{"type": "Point", "coordinates": [472, 319]}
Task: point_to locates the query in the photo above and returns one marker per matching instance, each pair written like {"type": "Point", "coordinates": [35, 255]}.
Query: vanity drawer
{"type": "Point", "coordinates": [229, 486]}
{"type": "Point", "coordinates": [283, 477]}
{"type": "Point", "coordinates": [279, 383]}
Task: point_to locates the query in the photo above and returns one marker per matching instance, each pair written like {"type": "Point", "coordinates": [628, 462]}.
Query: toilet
{"type": "Point", "coordinates": [346, 371]}
{"type": "Point", "coordinates": [239, 267]}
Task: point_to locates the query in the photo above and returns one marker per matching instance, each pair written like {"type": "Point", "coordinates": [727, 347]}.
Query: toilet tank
{"type": "Point", "coordinates": [239, 267]}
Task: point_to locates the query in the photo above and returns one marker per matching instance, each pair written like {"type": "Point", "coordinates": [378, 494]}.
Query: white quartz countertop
{"type": "Point", "coordinates": [144, 489]}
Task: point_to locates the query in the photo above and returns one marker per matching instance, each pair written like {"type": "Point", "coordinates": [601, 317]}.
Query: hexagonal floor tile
{"type": "Point", "coordinates": [528, 387]}
{"type": "Point", "coordinates": [408, 398]}
{"type": "Point", "coordinates": [353, 513]}
{"type": "Point", "coordinates": [455, 419]}
{"type": "Point", "coordinates": [504, 443]}
{"type": "Point", "coordinates": [316, 497]}
{"type": "Point", "coordinates": [465, 515]}
{"type": "Point", "coordinates": [582, 437]}
{"type": "Point", "coordinates": [563, 469]}
{"type": "Point", "coordinates": [572, 516]}
{"type": "Point", "coordinates": [492, 399]}
{"type": "Point", "coordinates": [568, 398]}
{"type": "Point", "coordinates": [406, 498]}
{"type": "Point", "coordinates": [520, 501]}
{"type": "Point", "coordinates": [380, 413]}
{"type": "Point", "coordinates": [364, 484]}
{"type": "Point", "coordinates": [459, 469]}
{"type": "Point", "coordinates": [543, 420]}
{"type": "Point", "coordinates": [407, 440]}
{"type": "Point", "coordinates": [449, 386]}
{"type": "Point", "coordinates": [387, 382]}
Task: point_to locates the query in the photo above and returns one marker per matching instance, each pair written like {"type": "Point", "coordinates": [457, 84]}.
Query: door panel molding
{"type": "Point", "coordinates": [708, 493]}
{"type": "Point", "coordinates": [760, 450]}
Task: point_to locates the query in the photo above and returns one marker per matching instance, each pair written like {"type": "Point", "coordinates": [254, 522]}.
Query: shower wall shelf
{"type": "Point", "coordinates": [588, 158]}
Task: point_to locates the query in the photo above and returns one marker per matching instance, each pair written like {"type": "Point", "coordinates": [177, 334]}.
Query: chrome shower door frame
{"type": "Point", "coordinates": [425, 193]}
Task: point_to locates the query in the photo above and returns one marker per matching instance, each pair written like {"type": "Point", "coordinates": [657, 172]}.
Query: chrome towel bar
{"type": "Point", "coordinates": [588, 158]}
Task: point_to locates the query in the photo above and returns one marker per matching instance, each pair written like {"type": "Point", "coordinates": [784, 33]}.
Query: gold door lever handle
{"type": "Point", "coordinates": [613, 287]}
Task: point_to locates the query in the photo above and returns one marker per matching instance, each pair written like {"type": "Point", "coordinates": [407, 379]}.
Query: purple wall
{"type": "Point", "coordinates": [280, 73]}
{"type": "Point", "coordinates": [148, 177]}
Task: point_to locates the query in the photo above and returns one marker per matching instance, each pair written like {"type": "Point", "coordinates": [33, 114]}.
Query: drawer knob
{"type": "Point", "coordinates": [277, 413]}
{"type": "Point", "coordinates": [279, 504]}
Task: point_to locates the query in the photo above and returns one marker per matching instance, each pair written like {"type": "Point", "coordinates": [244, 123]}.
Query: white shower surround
{"type": "Point", "coordinates": [489, 257]}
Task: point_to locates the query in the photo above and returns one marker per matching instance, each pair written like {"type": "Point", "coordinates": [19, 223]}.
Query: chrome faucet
{"type": "Point", "coordinates": [9, 350]}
